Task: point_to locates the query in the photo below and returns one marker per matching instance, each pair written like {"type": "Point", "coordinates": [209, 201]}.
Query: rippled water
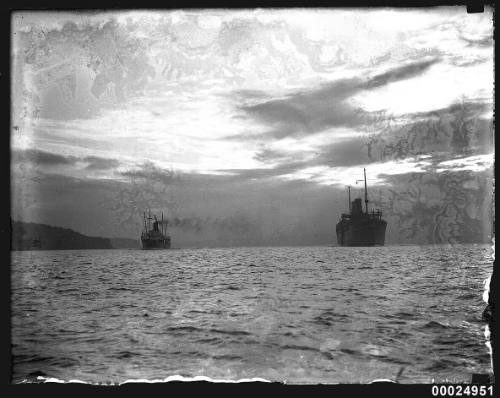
{"type": "Point", "coordinates": [300, 315]}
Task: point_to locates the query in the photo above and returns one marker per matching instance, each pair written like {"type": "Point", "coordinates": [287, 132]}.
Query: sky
{"type": "Point", "coordinates": [246, 126]}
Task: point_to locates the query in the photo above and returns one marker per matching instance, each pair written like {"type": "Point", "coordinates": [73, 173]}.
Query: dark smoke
{"type": "Point", "coordinates": [237, 223]}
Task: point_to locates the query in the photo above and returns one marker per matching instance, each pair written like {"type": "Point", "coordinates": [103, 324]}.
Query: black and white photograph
{"type": "Point", "coordinates": [293, 195]}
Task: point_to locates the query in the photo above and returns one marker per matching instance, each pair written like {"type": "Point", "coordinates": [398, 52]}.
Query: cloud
{"type": "Point", "coordinates": [311, 111]}
{"type": "Point", "coordinates": [469, 61]}
{"type": "Point", "coordinates": [307, 112]}
{"type": "Point", "coordinates": [468, 163]}
{"type": "Point", "coordinates": [263, 173]}
{"type": "Point", "coordinates": [439, 136]}
{"type": "Point", "coordinates": [400, 73]}
{"type": "Point", "coordinates": [41, 158]}
{"type": "Point", "coordinates": [484, 41]}
{"type": "Point", "coordinates": [150, 172]}
{"type": "Point", "coordinates": [344, 153]}
{"type": "Point", "coordinates": [99, 163]}
{"type": "Point", "coordinates": [267, 155]}
{"type": "Point", "coordinates": [247, 94]}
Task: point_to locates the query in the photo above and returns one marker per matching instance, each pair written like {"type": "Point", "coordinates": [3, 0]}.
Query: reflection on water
{"type": "Point", "coordinates": [304, 315]}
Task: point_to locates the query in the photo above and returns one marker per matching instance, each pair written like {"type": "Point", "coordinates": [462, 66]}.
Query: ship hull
{"type": "Point", "coordinates": [362, 232]}
{"type": "Point", "coordinates": [155, 244]}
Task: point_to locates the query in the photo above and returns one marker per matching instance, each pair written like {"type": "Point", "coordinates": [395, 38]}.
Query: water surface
{"type": "Point", "coordinates": [294, 314]}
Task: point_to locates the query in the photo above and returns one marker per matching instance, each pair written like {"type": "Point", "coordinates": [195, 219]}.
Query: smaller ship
{"type": "Point", "coordinates": [154, 235]}
{"type": "Point", "coordinates": [361, 228]}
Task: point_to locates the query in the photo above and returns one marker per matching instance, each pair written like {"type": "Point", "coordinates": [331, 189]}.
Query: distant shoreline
{"type": "Point", "coordinates": [28, 236]}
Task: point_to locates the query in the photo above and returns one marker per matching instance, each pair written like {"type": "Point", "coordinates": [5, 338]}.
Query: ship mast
{"type": "Point", "coordinates": [366, 194]}
{"type": "Point", "coordinates": [349, 192]}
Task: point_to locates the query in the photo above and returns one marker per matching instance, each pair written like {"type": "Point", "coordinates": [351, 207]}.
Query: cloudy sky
{"type": "Point", "coordinates": [245, 126]}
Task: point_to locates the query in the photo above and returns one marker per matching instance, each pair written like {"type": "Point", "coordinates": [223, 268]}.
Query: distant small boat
{"type": "Point", "coordinates": [154, 234]}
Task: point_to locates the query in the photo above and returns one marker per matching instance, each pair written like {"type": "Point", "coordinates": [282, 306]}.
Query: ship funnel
{"type": "Point", "coordinates": [357, 207]}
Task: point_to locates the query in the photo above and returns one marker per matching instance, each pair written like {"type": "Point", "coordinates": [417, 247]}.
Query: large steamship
{"type": "Point", "coordinates": [154, 234]}
{"type": "Point", "coordinates": [361, 228]}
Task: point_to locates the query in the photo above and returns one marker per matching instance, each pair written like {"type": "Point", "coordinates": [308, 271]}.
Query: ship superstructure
{"type": "Point", "coordinates": [154, 234]}
{"type": "Point", "coordinates": [361, 228]}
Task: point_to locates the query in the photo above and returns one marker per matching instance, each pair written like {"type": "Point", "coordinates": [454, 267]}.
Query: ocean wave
{"type": "Point", "coordinates": [434, 325]}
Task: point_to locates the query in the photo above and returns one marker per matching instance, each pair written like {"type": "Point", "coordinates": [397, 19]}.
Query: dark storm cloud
{"type": "Point", "coordinates": [443, 134]}
{"type": "Point", "coordinates": [401, 73]}
{"type": "Point", "coordinates": [62, 183]}
{"type": "Point", "coordinates": [344, 153]}
{"type": "Point", "coordinates": [282, 169]}
{"type": "Point", "coordinates": [308, 112]}
{"type": "Point", "coordinates": [42, 158]}
{"type": "Point", "coordinates": [267, 155]}
{"type": "Point", "coordinates": [98, 163]}
{"type": "Point", "coordinates": [151, 173]}
{"type": "Point", "coordinates": [249, 94]}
